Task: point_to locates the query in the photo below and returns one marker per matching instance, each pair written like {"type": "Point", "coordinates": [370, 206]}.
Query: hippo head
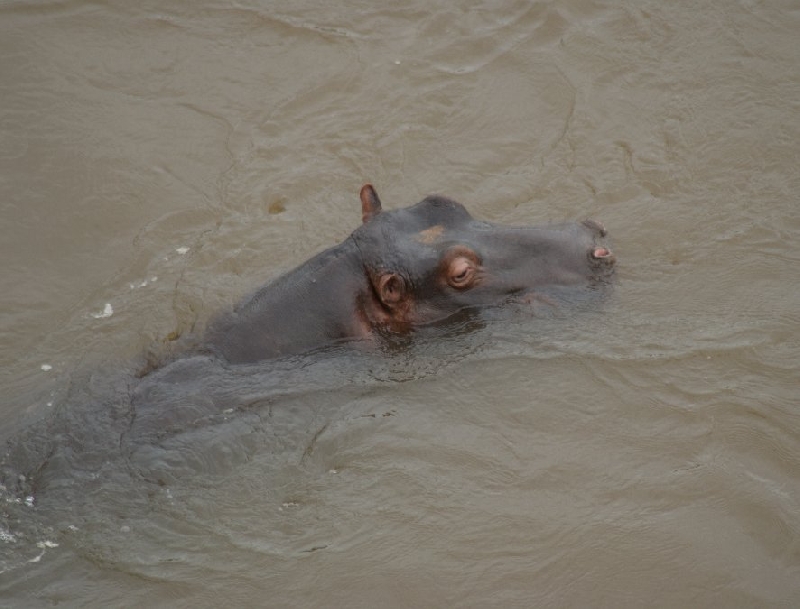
{"type": "Point", "coordinates": [405, 268]}
{"type": "Point", "coordinates": [429, 261]}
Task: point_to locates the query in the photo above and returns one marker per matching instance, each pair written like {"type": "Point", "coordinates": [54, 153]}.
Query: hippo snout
{"type": "Point", "coordinates": [599, 254]}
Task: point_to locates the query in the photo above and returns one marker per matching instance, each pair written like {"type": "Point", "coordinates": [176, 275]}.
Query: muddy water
{"type": "Point", "coordinates": [158, 161]}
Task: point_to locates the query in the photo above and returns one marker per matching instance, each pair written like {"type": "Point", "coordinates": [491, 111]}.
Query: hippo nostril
{"type": "Point", "coordinates": [603, 254]}
{"type": "Point", "coordinates": [595, 226]}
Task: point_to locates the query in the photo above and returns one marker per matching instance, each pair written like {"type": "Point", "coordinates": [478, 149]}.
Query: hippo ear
{"type": "Point", "coordinates": [391, 289]}
{"type": "Point", "coordinates": [370, 203]}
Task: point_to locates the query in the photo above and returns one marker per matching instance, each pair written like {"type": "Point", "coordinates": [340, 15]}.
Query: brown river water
{"type": "Point", "coordinates": [159, 160]}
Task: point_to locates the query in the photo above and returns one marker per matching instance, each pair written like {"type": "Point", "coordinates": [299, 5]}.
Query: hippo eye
{"type": "Point", "coordinates": [461, 272]}
{"type": "Point", "coordinates": [460, 267]}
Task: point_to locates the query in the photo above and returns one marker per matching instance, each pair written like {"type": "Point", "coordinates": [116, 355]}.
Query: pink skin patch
{"type": "Point", "coordinates": [430, 235]}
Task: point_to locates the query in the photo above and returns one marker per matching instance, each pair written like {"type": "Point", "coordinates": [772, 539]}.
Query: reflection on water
{"type": "Point", "coordinates": [164, 160]}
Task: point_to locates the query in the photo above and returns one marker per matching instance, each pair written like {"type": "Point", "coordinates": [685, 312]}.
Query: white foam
{"type": "Point", "coordinates": [108, 311]}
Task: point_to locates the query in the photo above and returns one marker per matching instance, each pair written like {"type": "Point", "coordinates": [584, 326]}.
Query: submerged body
{"type": "Point", "coordinates": [404, 268]}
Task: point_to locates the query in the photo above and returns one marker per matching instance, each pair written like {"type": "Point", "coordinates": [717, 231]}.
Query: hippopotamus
{"type": "Point", "coordinates": [404, 268]}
